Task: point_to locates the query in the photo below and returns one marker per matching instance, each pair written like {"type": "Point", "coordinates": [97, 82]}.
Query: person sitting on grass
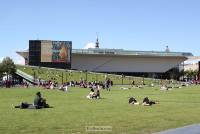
{"type": "Point", "coordinates": [90, 95]}
{"type": "Point", "coordinates": [64, 87]}
{"type": "Point", "coordinates": [147, 102]}
{"type": "Point", "coordinates": [133, 101]}
{"type": "Point", "coordinates": [38, 103]}
{"type": "Point", "coordinates": [96, 95]}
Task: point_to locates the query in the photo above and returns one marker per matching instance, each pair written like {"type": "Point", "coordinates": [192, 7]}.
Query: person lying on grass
{"type": "Point", "coordinates": [147, 102]}
{"type": "Point", "coordinates": [38, 103]}
{"type": "Point", "coordinates": [133, 101]}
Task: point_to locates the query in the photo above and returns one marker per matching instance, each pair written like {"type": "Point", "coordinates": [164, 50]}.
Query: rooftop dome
{"type": "Point", "coordinates": [89, 45]}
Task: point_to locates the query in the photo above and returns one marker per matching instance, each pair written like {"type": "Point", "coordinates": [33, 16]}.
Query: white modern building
{"type": "Point", "coordinates": [118, 60]}
{"type": "Point", "coordinates": [123, 61]}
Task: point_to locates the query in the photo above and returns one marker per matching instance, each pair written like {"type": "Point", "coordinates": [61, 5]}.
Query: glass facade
{"type": "Point", "coordinates": [55, 54]}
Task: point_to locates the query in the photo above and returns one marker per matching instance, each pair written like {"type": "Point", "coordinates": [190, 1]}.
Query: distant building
{"type": "Point", "coordinates": [191, 66]}
{"type": "Point", "coordinates": [110, 60]}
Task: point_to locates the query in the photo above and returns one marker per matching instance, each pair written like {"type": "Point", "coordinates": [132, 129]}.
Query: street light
{"type": "Point", "coordinates": [122, 79]}
{"type": "Point", "coordinates": [62, 77]}
{"type": "Point", "coordinates": [86, 75]}
{"type": "Point", "coordinates": [96, 77]}
{"type": "Point", "coordinates": [66, 76]}
{"type": "Point", "coordinates": [143, 80]}
{"type": "Point", "coordinates": [33, 75]}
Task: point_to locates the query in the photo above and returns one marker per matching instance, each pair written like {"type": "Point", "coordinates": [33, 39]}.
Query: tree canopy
{"type": "Point", "coordinates": [1, 70]}
{"type": "Point", "coordinates": [7, 66]}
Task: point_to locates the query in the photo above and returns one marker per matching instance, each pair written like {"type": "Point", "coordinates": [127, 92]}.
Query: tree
{"type": "Point", "coordinates": [1, 71]}
{"type": "Point", "coordinates": [8, 66]}
{"type": "Point", "coordinates": [191, 74]}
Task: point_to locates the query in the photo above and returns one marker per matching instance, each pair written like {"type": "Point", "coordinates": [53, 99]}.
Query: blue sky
{"type": "Point", "coordinates": [124, 24]}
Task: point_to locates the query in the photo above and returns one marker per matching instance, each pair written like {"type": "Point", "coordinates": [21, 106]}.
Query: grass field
{"type": "Point", "coordinates": [72, 112]}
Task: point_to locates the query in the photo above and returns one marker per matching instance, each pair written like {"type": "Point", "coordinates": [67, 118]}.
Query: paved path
{"type": "Point", "coordinates": [191, 129]}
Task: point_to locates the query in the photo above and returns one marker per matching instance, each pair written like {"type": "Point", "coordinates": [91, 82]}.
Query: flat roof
{"type": "Point", "coordinates": [128, 52]}
{"type": "Point", "coordinates": [98, 51]}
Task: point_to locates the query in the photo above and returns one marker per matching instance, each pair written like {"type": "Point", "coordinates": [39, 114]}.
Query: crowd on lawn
{"type": "Point", "coordinates": [40, 102]}
{"type": "Point", "coordinates": [82, 83]}
{"type": "Point", "coordinates": [9, 83]}
{"type": "Point", "coordinates": [94, 93]}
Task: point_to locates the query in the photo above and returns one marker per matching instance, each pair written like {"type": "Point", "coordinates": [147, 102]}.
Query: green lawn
{"type": "Point", "coordinates": [69, 75]}
{"type": "Point", "coordinates": [72, 112]}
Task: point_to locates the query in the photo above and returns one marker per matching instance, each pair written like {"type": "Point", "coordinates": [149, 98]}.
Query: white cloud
{"type": "Point", "coordinates": [16, 60]}
{"type": "Point", "coordinates": [19, 60]}
{"type": "Point", "coordinates": [1, 59]}
{"type": "Point", "coordinates": [89, 45]}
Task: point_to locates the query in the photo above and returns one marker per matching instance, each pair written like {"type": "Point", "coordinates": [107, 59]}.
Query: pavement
{"type": "Point", "coordinates": [191, 129]}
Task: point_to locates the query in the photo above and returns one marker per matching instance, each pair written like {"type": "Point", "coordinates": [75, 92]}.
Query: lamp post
{"type": "Point", "coordinates": [96, 77]}
{"type": "Point", "coordinates": [86, 75]}
{"type": "Point", "coordinates": [122, 79]}
{"type": "Point", "coordinates": [66, 77]}
{"type": "Point", "coordinates": [62, 77]}
{"type": "Point", "coordinates": [143, 80]}
{"type": "Point", "coordinates": [161, 81]}
{"type": "Point", "coordinates": [34, 76]}
{"type": "Point", "coordinates": [70, 76]}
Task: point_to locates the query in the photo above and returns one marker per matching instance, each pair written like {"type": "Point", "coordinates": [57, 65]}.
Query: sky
{"type": "Point", "coordinates": [122, 24]}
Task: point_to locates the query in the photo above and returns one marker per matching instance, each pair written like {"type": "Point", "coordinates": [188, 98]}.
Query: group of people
{"type": "Point", "coordinates": [145, 102]}
{"type": "Point", "coordinates": [40, 102]}
{"type": "Point", "coordinates": [48, 84]}
{"type": "Point", "coordinates": [83, 84]}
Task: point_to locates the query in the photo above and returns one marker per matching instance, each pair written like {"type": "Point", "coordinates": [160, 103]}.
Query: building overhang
{"type": "Point", "coordinates": [24, 54]}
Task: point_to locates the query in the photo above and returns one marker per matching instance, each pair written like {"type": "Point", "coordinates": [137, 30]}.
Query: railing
{"type": "Point", "coordinates": [127, 52]}
{"type": "Point", "coordinates": [25, 75]}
